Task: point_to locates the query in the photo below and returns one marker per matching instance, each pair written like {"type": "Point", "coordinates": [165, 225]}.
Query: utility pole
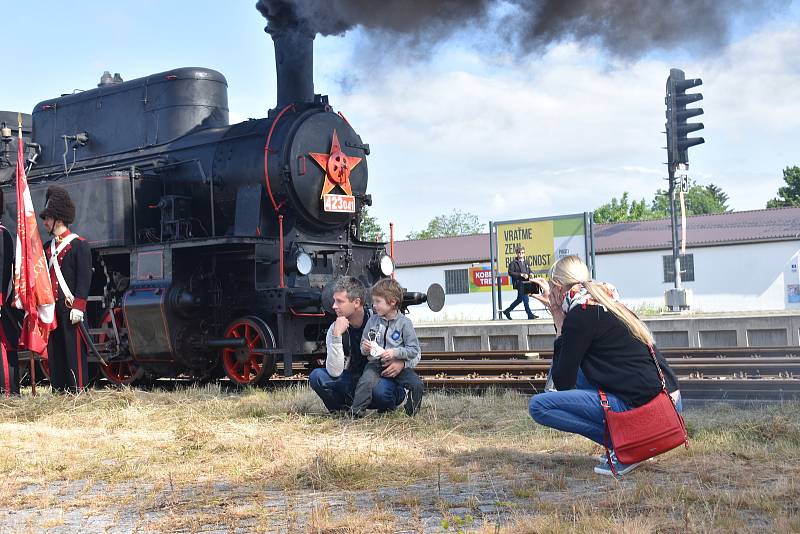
{"type": "Point", "coordinates": [678, 143]}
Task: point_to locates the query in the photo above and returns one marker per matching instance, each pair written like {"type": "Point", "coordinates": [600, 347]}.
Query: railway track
{"type": "Point", "coordinates": [750, 373]}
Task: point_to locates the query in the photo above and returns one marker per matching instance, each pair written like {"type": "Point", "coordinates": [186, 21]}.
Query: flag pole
{"type": "Point", "coordinates": [33, 354]}
{"type": "Point", "coordinates": [33, 374]}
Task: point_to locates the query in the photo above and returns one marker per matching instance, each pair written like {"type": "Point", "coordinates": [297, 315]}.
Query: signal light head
{"type": "Point", "coordinates": [677, 113]}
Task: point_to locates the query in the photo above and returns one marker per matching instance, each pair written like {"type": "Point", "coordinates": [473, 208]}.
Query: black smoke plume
{"type": "Point", "coordinates": [624, 27]}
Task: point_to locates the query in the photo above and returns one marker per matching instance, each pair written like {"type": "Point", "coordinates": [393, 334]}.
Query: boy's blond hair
{"type": "Point", "coordinates": [389, 290]}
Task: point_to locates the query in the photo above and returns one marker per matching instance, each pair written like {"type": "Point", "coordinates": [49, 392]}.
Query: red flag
{"type": "Point", "coordinates": [32, 289]}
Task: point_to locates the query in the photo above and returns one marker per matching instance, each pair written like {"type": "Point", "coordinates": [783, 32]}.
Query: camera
{"type": "Point", "coordinates": [530, 288]}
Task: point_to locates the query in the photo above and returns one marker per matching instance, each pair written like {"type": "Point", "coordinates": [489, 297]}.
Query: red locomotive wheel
{"type": "Point", "coordinates": [247, 366]}
{"type": "Point", "coordinates": [118, 372]}
{"type": "Point", "coordinates": [122, 373]}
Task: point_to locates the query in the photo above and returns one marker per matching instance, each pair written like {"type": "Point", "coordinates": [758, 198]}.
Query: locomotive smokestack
{"type": "Point", "coordinates": [294, 63]}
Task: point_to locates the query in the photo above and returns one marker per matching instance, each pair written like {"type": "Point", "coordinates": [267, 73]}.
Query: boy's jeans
{"type": "Point", "coordinates": [337, 393]}
{"type": "Point", "coordinates": [363, 397]}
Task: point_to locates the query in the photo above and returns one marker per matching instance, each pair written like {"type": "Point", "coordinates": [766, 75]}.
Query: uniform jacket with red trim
{"type": "Point", "coordinates": [6, 262]}
{"type": "Point", "coordinates": [76, 266]}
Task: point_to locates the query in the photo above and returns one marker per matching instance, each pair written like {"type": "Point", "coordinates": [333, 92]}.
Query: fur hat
{"type": "Point", "coordinates": [58, 205]}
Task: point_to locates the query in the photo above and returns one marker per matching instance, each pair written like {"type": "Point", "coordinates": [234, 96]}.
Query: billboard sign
{"type": "Point", "coordinates": [545, 241]}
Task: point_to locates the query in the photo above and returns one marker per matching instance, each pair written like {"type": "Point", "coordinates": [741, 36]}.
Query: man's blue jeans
{"type": "Point", "coordinates": [576, 410]}
{"type": "Point", "coordinates": [337, 392]}
{"type": "Point", "coordinates": [522, 297]}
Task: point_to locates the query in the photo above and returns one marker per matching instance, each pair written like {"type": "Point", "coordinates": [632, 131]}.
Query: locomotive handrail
{"type": "Point", "coordinates": [275, 205]}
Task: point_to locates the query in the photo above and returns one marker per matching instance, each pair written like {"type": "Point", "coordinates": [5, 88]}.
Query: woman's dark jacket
{"type": "Point", "coordinates": [610, 357]}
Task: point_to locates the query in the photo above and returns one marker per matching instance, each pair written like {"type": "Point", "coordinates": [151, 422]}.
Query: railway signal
{"type": "Point", "coordinates": [678, 144]}
{"type": "Point", "coordinates": [678, 141]}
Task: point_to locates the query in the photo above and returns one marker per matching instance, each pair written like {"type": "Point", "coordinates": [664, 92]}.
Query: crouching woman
{"type": "Point", "coordinates": [600, 344]}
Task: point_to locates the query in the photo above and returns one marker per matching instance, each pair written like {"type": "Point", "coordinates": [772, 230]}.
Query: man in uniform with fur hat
{"type": "Point", "coordinates": [9, 327]}
{"type": "Point", "coordinates": [69, 258]}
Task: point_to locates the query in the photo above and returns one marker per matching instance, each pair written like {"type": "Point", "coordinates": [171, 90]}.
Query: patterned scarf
{"type": "Point", "coordinates": [578, 295]}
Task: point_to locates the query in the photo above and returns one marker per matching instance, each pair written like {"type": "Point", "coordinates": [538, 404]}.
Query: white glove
{"type": "Point", "coordinates": [75, 316]}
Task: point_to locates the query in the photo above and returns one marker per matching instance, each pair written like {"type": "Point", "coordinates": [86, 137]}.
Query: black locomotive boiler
{"type": "Point", "coordinates": [215, 245]}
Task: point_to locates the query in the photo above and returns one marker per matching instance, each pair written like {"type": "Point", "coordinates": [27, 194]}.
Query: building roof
{"type": "Point", "coordinates": [459, 249]}
{"type": "Point", "coordinates": [737, 227]}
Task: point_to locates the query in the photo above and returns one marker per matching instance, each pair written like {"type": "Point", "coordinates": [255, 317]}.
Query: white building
{"type": "Point", "coordinates": [739, 261]}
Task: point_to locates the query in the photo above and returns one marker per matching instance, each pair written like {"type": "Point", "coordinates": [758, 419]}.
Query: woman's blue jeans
{"type": "Point", "coordinates": [576, 410]}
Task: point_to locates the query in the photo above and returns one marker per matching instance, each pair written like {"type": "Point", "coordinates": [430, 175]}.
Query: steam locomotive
{"type": "Point", "coordinates": [215, 245]}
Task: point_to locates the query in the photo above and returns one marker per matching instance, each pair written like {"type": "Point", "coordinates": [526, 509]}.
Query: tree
{"type": "Point", "coordinates": [700, 200]}
{"type": "Point", "coordinates": [790, 195]}
{"type": "Point", "coordinates": [370, 229]}
{"type": "Point", "coordinates": [456, 223]}
{"type": "Point", "coordinates": [622, 209]}
{"type": "Point", "coordinates": [721, 197]}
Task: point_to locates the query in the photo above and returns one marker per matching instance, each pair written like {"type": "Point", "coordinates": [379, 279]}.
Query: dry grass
{"type": "Point", "coordinates": [274, 461]}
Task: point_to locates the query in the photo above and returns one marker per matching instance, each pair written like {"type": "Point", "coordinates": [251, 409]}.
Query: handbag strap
{"type": "Point", "coordinates": [653, 354]}
{"type": "Point", "coordinates": [606, 432]}
{"type": "Point", "coordinates": [658, 367]}
{"type": "Point", "coordinates": [604, 399]}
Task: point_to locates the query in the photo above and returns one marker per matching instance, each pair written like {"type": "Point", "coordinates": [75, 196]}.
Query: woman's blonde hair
{"type": "Point", "coordinates": [571, 270]}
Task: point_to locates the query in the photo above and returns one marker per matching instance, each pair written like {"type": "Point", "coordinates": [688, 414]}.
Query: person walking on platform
{"type": "Point", "coordinates": [9, 331]}
{"type": "Point", "coordinates": [520, 273]}
{"type": "Point", "coordinates": [69, 258]}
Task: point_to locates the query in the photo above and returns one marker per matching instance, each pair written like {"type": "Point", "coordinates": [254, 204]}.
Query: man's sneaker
{"type": "Point", "coordinates": [532, 316]}
{"type": "Point", "coordinates": [603, 468]}
{"type": "Point", "coordinates": [507, 314]}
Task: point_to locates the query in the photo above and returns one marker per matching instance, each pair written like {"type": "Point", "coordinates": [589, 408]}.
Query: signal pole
{"type": "Point", "coordinates": [676, 258]}
{"type": "Point", "coordinates": [678, 143]}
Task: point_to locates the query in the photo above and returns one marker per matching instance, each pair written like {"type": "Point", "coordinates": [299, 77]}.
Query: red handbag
{"type": "Point", "coordinates": [649, 430]}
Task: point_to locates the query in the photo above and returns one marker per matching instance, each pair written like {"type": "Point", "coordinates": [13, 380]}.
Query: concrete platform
{"type": "Point", "coordinates": [756, 329]}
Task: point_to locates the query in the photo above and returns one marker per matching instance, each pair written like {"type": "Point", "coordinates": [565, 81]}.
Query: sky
{"type": "Point", "coordinates": [466, 124]}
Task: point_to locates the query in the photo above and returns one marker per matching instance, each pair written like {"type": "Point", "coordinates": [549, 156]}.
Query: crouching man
{"type": "Point", "coordinates": [335, 384]}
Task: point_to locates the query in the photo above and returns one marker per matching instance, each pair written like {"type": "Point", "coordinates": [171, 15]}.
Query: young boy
{"type": "Point", "coordinates": [388, 335]}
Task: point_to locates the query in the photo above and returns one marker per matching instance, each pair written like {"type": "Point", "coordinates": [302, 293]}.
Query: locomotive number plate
{"type": "Point", "coordinates": [339, 203]}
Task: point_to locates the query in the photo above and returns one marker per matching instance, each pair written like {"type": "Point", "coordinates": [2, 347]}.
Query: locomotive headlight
{"type": "Point", "coordinates": [303, 263]}
{"type": "Point", "coordinates": [386, 265]}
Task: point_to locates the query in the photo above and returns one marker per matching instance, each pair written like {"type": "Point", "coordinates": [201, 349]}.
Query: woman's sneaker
{"type": "Point", "coordinates": [602, 459]}
{"type": "Point", "coordinates": [603, 468]}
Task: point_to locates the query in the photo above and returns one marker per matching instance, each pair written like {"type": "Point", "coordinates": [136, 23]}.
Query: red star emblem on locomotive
{"type": "Point", "coordinates": [337, 167]}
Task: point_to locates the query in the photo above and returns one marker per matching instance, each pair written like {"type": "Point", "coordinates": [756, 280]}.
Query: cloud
{"type": "Point", "coordinates": [565, 132]}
